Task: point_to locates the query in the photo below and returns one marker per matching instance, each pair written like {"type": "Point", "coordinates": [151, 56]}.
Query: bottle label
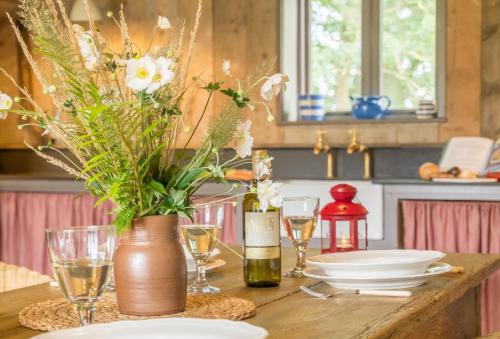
{"type": "Point", "coordinates": [262, 252]}
{"type": "Point", "coordinates": [262, 229]}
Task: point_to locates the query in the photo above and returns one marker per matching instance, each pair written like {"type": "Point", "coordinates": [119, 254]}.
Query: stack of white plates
{"type": "Point", "coordinates": [391, 269]}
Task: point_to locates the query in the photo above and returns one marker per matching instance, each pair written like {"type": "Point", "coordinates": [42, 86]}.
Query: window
{"type": "Point", "coordinates": [344, 48]}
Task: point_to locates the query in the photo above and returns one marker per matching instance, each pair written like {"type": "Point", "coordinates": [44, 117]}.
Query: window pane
{"type": "Point", "coordinates": [408, 51]}
{"type": "Point", "coordinates": [335, 66]}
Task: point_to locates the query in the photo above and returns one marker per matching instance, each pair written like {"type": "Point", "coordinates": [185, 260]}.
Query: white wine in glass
{"type": "Point", "coordinates": [200, 239]}
{"type": "Point", "coordinates": [300, 216]}
{"type": "Point", "coordinates": [200, 236]}
{"type": "Point", "coordinates": [299, 229]}
{"type": "Point", "coordinates": [82, 259]}
{"type": "Point", "coordinates": [82, 280]}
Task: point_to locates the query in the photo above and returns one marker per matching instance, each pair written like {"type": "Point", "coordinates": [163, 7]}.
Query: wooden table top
{"type": "Point", "coordinates": [285, 311]}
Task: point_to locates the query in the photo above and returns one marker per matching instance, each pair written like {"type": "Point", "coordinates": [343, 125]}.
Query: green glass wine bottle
{"type": "Point", "coordinates": [261, 232]}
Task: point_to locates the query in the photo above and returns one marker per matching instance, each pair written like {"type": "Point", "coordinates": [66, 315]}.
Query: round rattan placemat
{"type": "Point", "coordinates": [56, 314]}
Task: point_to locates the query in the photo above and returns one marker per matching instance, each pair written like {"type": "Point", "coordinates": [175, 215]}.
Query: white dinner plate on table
{"type": "Point", "coordinates": [382, 263]}
{"type": "Point", "coordinates": [378, 282]}
{"type": "Point", "coordinates": [166, 328]}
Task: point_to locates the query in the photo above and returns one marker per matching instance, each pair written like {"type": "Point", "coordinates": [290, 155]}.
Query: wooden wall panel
{"type": "Point", "coordinates": [491, 69]}
{"type": "Point", "coordinates": [463, 76]}
{"type": "Point", "coordinates": [463, 69]}
{"type": "Point", "coordinates": [10, 136]}
{"type": "Point", "coordinates": [247, 32]}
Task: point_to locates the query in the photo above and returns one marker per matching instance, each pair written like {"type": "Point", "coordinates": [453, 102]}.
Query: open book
{"type": "Point", "coordinates": [481, 155]}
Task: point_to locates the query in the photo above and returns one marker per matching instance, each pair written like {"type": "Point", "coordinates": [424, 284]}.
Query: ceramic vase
{"type": "Point", "coordinates": [150, 268]}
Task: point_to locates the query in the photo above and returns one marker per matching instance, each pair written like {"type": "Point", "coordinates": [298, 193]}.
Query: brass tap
{"type": "Point", "coordinates": [356, 147]}
{"type": "Point", "coordinates": [321, 146]}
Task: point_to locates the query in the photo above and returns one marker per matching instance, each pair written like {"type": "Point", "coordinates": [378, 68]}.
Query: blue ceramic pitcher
{"type": "Point", "coordinates": [370, 107]}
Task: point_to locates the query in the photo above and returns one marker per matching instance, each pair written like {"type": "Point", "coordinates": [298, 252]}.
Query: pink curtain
{"type": "Point", "coordinates": [25, 216]}
{"type": "Point", "coordinates": [456, 226]}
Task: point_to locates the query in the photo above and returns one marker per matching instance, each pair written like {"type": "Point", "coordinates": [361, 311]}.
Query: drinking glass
{"type": "Point", "coordinates": [299, 216]}
{"type": "Point", "coordinates": [82, 258]}
{"type": "Point", "coordinates": [201, 235]}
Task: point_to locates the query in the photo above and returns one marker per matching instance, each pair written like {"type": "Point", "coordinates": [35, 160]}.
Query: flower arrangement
{"type": "Point", "coordinates": [119, 111]}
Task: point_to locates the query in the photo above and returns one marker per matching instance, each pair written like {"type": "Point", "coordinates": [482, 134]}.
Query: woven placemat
{"type": "Point", "coordinates": [58, 313]}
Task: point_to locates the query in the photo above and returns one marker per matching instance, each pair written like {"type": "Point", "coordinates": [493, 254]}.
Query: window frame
{"type": "Point", "coordinates": [370, 60]}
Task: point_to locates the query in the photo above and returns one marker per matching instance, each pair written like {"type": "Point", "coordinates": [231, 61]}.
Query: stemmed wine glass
{"type": "Point", "coordinates": [82, 259]}
{"type": "Point", "coordinates": [300, 216]}
{"type": "Point", "coordinates": [201, 235]}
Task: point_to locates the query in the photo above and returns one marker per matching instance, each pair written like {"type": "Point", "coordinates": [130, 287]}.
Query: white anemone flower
{"type": "Point", "coordinates": [88, 50]}
{"type": "Point", "coordinates": [163, 23]}
{"type": "Point", "coordinates": [140, 73]}
{"type": "Point", "coordinates": [226, 67]}
{"type": "Point", "coordinates": [162, 76]}
{"type": "Point", "coordinates": [267, 193]}
{"type": "Point", "coordinates": [5, 104]}
{"type": "Point", "coordinates": [273, 85]}
{"type": "Point", "coordinates": [243, 141]}
{"type": "Point", "coordinates": [263, 168]}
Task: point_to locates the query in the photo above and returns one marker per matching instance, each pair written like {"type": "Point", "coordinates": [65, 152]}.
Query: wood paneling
{"type": "Point", "coordinates": [247, 32]}
{"type": "Point", "coordinates": [258, 21]}
{"type": "Point", "coordinates": [491, 69]}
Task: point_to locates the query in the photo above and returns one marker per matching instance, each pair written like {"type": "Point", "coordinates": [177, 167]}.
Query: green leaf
{"type": "Point", "coordinates": [213, 86]}
{"type": "Point", "coordinates": [157, 187]}
{"type": "Point", "coordinates": [189, 178]}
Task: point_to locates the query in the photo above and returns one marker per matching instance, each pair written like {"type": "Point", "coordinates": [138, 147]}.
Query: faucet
{"type": "Point", "coordinates": [321, 146]}
{"type": "Point", "coordinates": [356, 147]}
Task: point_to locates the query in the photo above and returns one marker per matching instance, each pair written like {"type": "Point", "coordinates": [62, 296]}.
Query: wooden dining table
{"type": "Point", "coordinates": [446, 307]}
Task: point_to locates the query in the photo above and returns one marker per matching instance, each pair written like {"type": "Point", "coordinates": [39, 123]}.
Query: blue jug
{"type": "Point", "coordinates": [370, 107]}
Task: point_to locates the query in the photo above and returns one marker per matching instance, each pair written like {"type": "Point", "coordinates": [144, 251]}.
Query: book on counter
{"type": "Point", "coordinates": [477, 154]}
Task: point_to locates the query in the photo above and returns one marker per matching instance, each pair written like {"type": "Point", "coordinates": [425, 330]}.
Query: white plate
{"type": "Point", "coordinates": [170, 328]}
{"type": "Point", "coordinates": [377, 282]}
{"type": "Point", "coordinates": [464, 181]}
{"type": "Point", "coordinates": [375, 263]}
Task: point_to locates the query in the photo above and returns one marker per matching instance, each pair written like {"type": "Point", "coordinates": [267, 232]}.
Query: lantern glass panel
{"type": "Point", "coordinates": [343, 234]}
{"type": "Point", "coordinates": [326, 244]}
{"type": "Point", "coordinates": [362, 229]}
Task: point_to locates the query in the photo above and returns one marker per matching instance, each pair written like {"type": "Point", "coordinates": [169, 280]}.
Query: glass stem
{"type": "Point", "coordinates": [85, 313]}
{"type": "Point", "coordinates": [201, 278]}
{"type": "Point", "coordinates": [301, 258]}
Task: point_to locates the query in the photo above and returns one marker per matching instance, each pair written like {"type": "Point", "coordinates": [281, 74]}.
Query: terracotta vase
{"type": "Point", "coordinates": [150, 268]}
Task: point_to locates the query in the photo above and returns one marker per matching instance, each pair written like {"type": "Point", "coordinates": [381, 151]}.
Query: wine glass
{"type": "Point", "coordinates": [201, 235]}
{"type": "Point", "coordinates": [300, 216]}
{"type": "Point", "coordinates": [82, 258]}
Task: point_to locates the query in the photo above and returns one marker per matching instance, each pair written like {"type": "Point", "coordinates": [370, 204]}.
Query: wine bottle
{"type": "Point", "coordinates": [261, 231]}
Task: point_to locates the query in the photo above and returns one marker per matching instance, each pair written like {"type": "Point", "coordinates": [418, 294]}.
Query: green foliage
{"type": "Point", "coordinates": [238, 97]}
{"type": "Point", "coordinates": [125, 140]}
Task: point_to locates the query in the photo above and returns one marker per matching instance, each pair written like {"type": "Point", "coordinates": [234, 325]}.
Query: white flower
{"type": "Point", "coordinates": [226, 67]}
{"type": "Point", "coordinates": [243, 141]}
{"type": "Point", "coordinates": [263, 168]}
{"type": "Point", "coordinates": [267, 193]}
{"type": "Point", "coordinates": [273, 85]}
{"type": "Point", "coordinates": [162, 76]}
{"type": "Point", "coordinates": [140, 73]}
{"type": "Point", "coordinates": [87, 46]}
{"type": "Point", "coordinates": [5, 104]}
{"type": "Point", "coordinates": [163, 23]}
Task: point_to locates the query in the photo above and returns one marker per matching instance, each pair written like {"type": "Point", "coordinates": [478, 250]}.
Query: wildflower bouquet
{"type": "Point", "coordinates": [119, 111]}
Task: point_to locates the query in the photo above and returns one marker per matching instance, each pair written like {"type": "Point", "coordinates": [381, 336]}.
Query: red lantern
{"type": "Point", "coordinates": [344, 226]}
